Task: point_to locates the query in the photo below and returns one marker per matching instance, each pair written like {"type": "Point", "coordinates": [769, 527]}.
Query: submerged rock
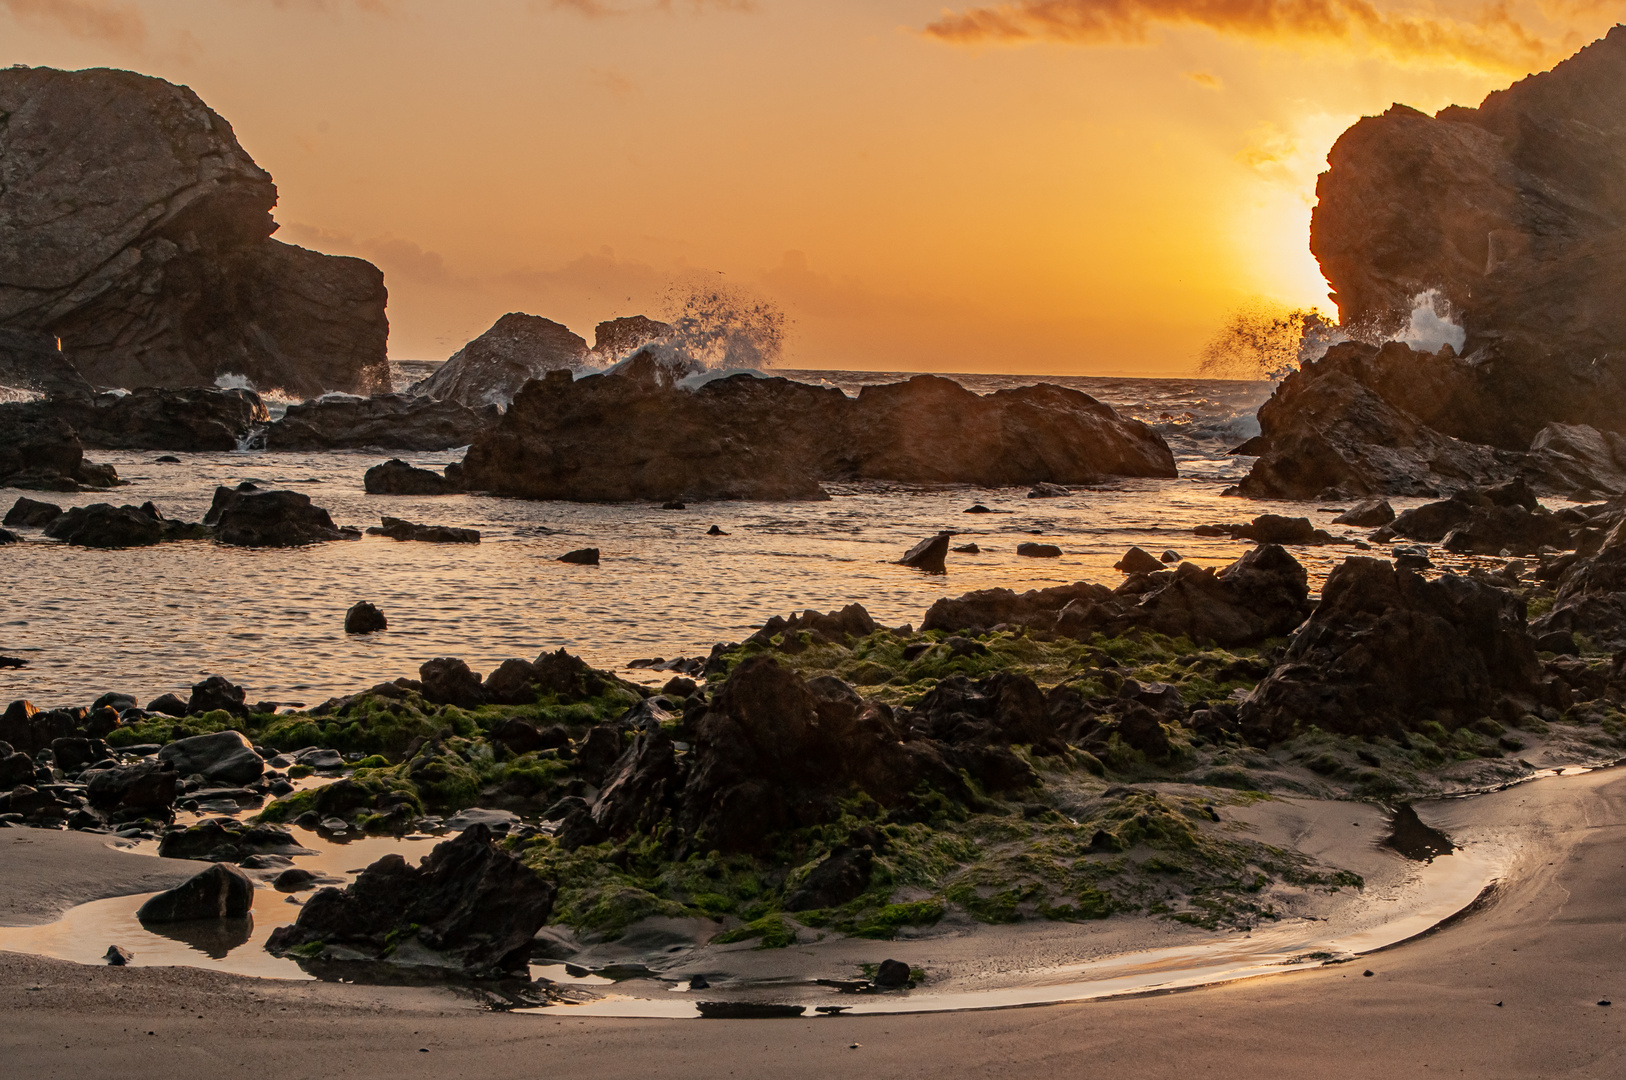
{"type": "Point", "coordinates": [364, 618]}
{"type": "Point", "coordinates": [397, 529]}
{"type": "Point", "coordinates": [468, 907]}
{"type": "Point", "coordinates": [580, 557]}
{"type": "Point", "coordinates": [220, 892]}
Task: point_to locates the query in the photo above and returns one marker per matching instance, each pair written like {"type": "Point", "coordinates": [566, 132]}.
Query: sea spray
{"type": "Point", "coordinates": [1432, 325]}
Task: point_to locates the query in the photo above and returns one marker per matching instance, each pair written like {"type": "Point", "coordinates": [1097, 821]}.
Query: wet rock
{"type": "Point", "coordinates": [1386, 650]}
{"type": "Point", "coordinates": [364, 618]}
{"type": "Point", "coordinates": [1004, 708]}
{"type": "Point", "coordinates": [192, 419]}
{"type": "Point", "coordinates": [397, 477]}
{"type": "Point", "coordinates": [31, 514]}
{"type": "Point", "coordinates": [928, 554]}
{"type": "Point", "coordinates": [224, 757]}
{"type": "Point", "coordinates": [252, 518]}
{"type": "Point", "coordinates": [1367, 514]}
{"type": "Point", "coordinates": [102, 525]}
{"type": "Point", "coordinates": [383, 422]}
{"type": "Point", "coordinates": [224, 840]}
{"type": "Point", "coordinates": [1276, 529]}
{"type": "Point", "coordinates": [220, 892]}
{"type": "Point", "coordinates": [977, 508]}
{"type": "Point", "coordinates": [469, 907]}
{"type": "Point", "coordinates": [597, 751]}
{"type": "Point", "coordinates": [397, 529]}
{"type": "Point", "coordinates": [1039, 551]}
{"type": "Point", "coordinates": [580, 557]}
{"type": "Point", "coordinates": [117, 956]}
{"type": "Point", "coordinates": [214, 693]}
{"type": "Point", "coordinates": [448, 681]}
{"type": "Point", "coordinates": [1138, 561]}
{"type": "Point", "coordinates": [40, 452]}
{"type": "Point", "coordinates": [138, 231]}
{"type": "Point", "coordinates": [968, 549]}
{"type": "Point", "coordinates": [491, 369]}
{"type": "Point", "coordinates": [1048, 491]}
{"type": "Point", "coordinates": [167, 705]}
{"type": "Point", "coordinates": [295, 879]}
{"type": "Point", "coordinates": [1590, 595]}
{"type": "Point", "coordinates": [844, 875]}
{"type": "Point", "coordinates": [617, 339]}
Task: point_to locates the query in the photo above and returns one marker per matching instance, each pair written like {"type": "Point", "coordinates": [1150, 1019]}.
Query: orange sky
{"type": "Point", "coordinates": [1045, 186]}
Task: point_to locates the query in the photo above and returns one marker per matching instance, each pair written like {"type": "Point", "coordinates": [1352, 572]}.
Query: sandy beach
{"type": "Point", "coordinates": [1549, 946]}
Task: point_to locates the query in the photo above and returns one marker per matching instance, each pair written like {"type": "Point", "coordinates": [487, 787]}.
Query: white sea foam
{"type": "Point", "coordinates": [1432, 324]}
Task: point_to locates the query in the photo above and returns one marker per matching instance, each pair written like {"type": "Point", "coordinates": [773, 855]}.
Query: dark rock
{"type": "Point", "coordinates": [1004, 708]}
{"type": "Point", "coordinates": [1411, 557]}
{"type": "Point", "coordinates": [493, 367]}
{"type": "Point", "coordinates": [383, 421]}
{"type": "Point", "coordinates": [214, 693]}
{"type": "Point", "coordinates": [269, 519]}
{"type": "Point", "coordinates": [31, 514]}
{"type": "Point", "coordinates": [220, 892]}
{"type": "Point", "coordinates": [468, 907]}
{"type": "Point", "coordinates": [580, 557]}
{"type": "Point", "coordinates": [1138, 561]}
{"type": "Point", "coordinates": [396, 477]}
{"type": "Point", "coordinates": [40, 452]}
{"type": "Point", "coordinates": [161, 270]}
{"type": "Point", "coordinates": [224, 757]}
{"type": "Point", "coordinates": [167, 705]}
{"type": "Point", "coordinates": [15, 770]}
{"type": "Point", "coordinates": [364, 618]}
{"type": "Point", "coordinates": [448, 681]}
{"type": "Point", "coordinates": [193, 418]}
{"type": "Point", "coordinates": [397, 529]}
{"type": "Point", "coordinates": [844, 875]}
{"type": "Point", "coordinates": [1048, 491]}
{"type": "Point", "coordinates": [1573, 458]}
{"type": "Point", "coordinates": [1511, 529]}
{"type": "Point", "coordinates": [1590, 596]}
{"type": "Point", "coordinates": [74, 753]}
{"type": "Point", "coordinates": [9, 537]}
{"type": "Point", "coordinates": [102, 525]}
{"type": "Point", "coordinates": [641, 787]}
{"type": "Point", "coordinates": [31, 730]}
{"type": "Point", "coordinates": [836, 627]}
{"type": "Point", "coordinates": [967, 549]}
{"type": "Point", "coordinates": [1367, 514]}
{"type": "Point", "coordinates": [617, 339]}
{"type": "Point", "coordinates": [633, 435]}
{"type": "Point", "coordinates": [928, 554]}
{"type": "Point", "coordinates": [1387, 650]}
{"type": "Point", "coordinates": [1142, 729]}
{"type": "Point", "coordinates": [220, 840]}
{"type": "Point", "coordinates": [597, 751]}
{"type": "Point", "coordinates": [715, 531]}
{"type": "Point", "coordinates": [1276, 529]}
{"type": "Point", "coordinates": [117, 956]}
{"type": "Point", "coordinates": [977, 508]}
{"type": "Point", "coordinates": [33, 363]}
{"type": "Point", "coordinates": [892, 975]}
{"type": "Point", "coordinates": [1039, 551]}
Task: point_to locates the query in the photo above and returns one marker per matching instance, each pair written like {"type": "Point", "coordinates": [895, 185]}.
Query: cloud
{"type": "Point", "coordinates": [1494, 39]}
{"type": "Point", "coordinates": [598, 9]}
{"type": "Point", "coordinates": [396, 257]}
{"type": "Point", "coordinates": [1205, 78]}
{"type": "Point", "coordinates": [96, 20]}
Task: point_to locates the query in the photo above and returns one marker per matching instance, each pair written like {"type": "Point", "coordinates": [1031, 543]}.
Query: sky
{"type": "Point", "coordinates": [1037, 186]}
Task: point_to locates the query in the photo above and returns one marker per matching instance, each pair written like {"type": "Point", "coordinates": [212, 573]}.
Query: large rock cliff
{"type": "Point", "coordinates": [136, 229]}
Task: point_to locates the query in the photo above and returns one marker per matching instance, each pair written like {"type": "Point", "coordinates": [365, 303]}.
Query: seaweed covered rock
{"type": "Point", "coordinates": [468, 907]}
{"type": "Point", "coordinates": [383, 421]}
{"type": "Point", "coordinates": [1387, 651]}
{"type": "Point", "coordinates": [852, 621]}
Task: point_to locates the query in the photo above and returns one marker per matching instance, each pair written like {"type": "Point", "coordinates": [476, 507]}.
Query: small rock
{"type": "Point", "coordinates": [1138, 561]}
{"type": "Point", "coordinates": [118, 956]}
{"type": "Point", "coordinates": [364, 618]}
{"type": "Point", "coordinates": [166, 459]}
{"type": "Point", "coordinates": [1170, 556]}
{"type": "Point", "coordinates": [580, 557]}
{"type": "Point", "coordinates": [715, 531]}
{"type": "Point", "coordinates": [892, 975]}
{"type": "Point", "coordinates": [928, 554]}
{"type": "Point", "coordinates": [1368, 973]}
{"type": "Point", "coordinates": [699, 982]}
{"type": "Point", "coordinates": [1039, 551]}
{"type": "Point", "coordinates": [968, 549]}
{"type": "Point", "coordinates": [294, 880]}
{"type": "Point", "coordinates": [977, 509]}
{"type": "Point", "coordinates": [167, 705]}
{"type": "Point", "coordinates": [220, 892]}
{"type": "Point", "coordinates": [1367, 514]}
{"type": "Point", "coordinates": [1411, 557]}
{"type": "Point", "coordinates": [674, 505]}
{"type": "Point", "coordinates": [1048, 491]}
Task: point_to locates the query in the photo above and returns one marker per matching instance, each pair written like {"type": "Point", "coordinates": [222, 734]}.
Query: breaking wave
{"type": "Point", "coordinates": [1432, 325]}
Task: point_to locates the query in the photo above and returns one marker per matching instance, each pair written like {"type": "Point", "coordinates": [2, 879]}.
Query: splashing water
{"type": "Point", "coordinates": [1432, 325]}
{"type": "Point", "coordinates": [1265, 340]}
{"type": "Point", "coordinates": [723, 328]}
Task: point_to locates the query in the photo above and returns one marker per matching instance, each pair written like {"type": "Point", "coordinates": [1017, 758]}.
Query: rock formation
{"type": "Point", "coordinates": [33, 364]}
{"type": "Point", "coordinates": [632, 434]}
{"type": "Point", "coordinates": [40, 452]}
{"type": "Point", "coordinates": [384, 421]}
{"type": "Point", "coordinates": [491, 369]}
{"type": "Point", "coordinates": [135, 228]}
{"type": "Point", "coordinates": [616, 339]}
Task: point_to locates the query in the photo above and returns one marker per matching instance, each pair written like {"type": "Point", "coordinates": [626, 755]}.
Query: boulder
{"type": "Point", "coordinates": [102, 525]}
{"type": "Point", "coordinates": [396, 477]}
{"type": "Point", "coordinates": [31, 514]}
{"type": "Point", "coordinates": [1387, 650]}
{"type": "Point", "coordinates": [616, 339]}
{"type": "Point", "coordinates": [225, 757]}
{"type": "Point", "coordinates": [491, 369]}
{"type": "Point", "coordinates": [16, 769]}
{"type": "Point", "coordinates": [39, 451]}
{"type": "Point", "coordinates": [448, 681]}
{"type": "Point", "coordinates": [147, 786]}
{"type": "Point", "coordinates": [216, 692]}
{"type": "Point", "coordinates": [580, 557]}
{"type": "Point", "coordinates": [167, 705]}
{"type": "Point", "coordinates": [30, 730]}
{"type": "Point", "coordinates": [398, 529]}
{"type": "Point", "coordinates": [33, 363]}
{"type": "Point", "coordinates": [1367, 514]}
{"type": "Point", "coordinates": [1039, 551]}
{"type": "Point", "coordinates": [383, 421]}
{"type": "Point", "coordinates": [251, 518]}
{"type": "Point", "coordinates": [928, 554]}
{"type": "Point", "coordinates": [1138, 561]}
{"type": "Point", "coordinates": [364, 618]}
{"type": "Point", "coordinates": [220, 892]}
{"type": "Point", "coordinates": [136, 229]}
{"type": "Point", "coordinates": [468, 907]}
{"type": "Point", "coordinates": [9, 537]}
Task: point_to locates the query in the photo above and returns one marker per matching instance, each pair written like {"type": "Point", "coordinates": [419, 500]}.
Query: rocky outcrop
{"type": "Point", "coordinates": [40, 452]}
{"type": "Point", "coordinates": [384, 421]}
{"type": "Point", "coordinates": [633, 435]}
{"type": "Point", "coordinates": [136, 229]}
{"type": "Point", "coordinates": [247, 517]}
{"type": "Point", "coordinates": [617, 339]}
{"type": "Point", "coordinates": [491, 369]}
{"type": "Point", "coordinates": [220, 892]}
{"type": "Point", "coordinates": [397, 477]}
{"type": "Point", "coordinates": [103, 525]}
{"type": "Point", "coordinates": [33, 364]}
{"type": "Point", "coordinates": [468, 907]}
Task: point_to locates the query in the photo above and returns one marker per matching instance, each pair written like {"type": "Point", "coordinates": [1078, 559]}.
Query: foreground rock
{"type": "Point", "coordinates": [468, 907]}
{"type": "Point", "coordinates": [633, 435]}
{"type": "Point", "coordinates": [103, 525]}
{"type": "Point", "coordinates": [135, 228]}
{"type": "Point", "coordinates": [384, 421]}
{"type": "Point", "coordinates": [491, 369]}
{"type": "Point", "coordinates": [224, 758]}
{"type": "Point", "coordinates": [220, 892]}
{"type": "Point", "coordinates": [247, 517]}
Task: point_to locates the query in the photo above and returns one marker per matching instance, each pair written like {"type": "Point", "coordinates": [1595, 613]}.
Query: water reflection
{"type": "Point", "coordinates": [214, 938]}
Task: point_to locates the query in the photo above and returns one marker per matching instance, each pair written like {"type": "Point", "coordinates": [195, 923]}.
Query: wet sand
{"type": "Point", "coordinates": [1550, 945]}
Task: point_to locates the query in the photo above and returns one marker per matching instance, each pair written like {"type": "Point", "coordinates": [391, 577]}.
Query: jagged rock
{"type": "Point", "coordinates": [617, 339]}
{"type": "Point", "coordinates": [837, 627]}
{"type": "Point", "coordinates": [33, 363]}
{"type": "Point", "coordinates": [396, 477]}
{"type": "Point", "coordinates": [1571, 459]}
{"type": "Point", "coordinates": [1003, 708]}
{"type": "Point", "coordinates": [40, 452]}
{"type": "Point", "coordinates": [102, 525]}
{"type": "Point", "coordinates": [397, 529]}
{"type": "Point", "coordinates": [225, 757]}
{"type": "Point", "coordinates": [1387, 650]}
{"type": "Point", "coordinates": [641, 787]}
{"type": "Point", "coordinates": [1515, 530]}
{"type": "Point", "coordinates": [364, 618]}
{"type": "Point", "coordinates": [135, 228]}
{"type": "Point", "coordinates": [1591, 594]}
{"type": "Point", "coordinates": [147, 786]}
{"type": "Point", "coordinates": [31, 730]}
{"type": "Point", "coordinates": [1048, 491]}
{"type": "Point", "coordinates": [220, 892]}
{"type": "Point", "coordinates": [634, 435]}
{"type": "Point", "coordinates": [384, 421]}
{"type": "Point", "coordinates": [31, 514]}
{"type": "Point", "coordinates": [580, 557]}
{"type": "Point", "coordinates": [1138, 561]}
{"type": "Point", "coordinates": [214, 693]}
{"type": "Point", "coordinates": [448, 681]}
{"type": "Point", "coordinates": [491, 369]}
{"type": "Point", "coordinates": [1367, 514]}
{"type": "Point", "coordinates": [928, 554]}
{"type": "Point", "coordinates": [1504, 515]}
{"type": "Point", "coordinates": [468, 907]}
{"type": "Point", "coordinates": [252, 518]}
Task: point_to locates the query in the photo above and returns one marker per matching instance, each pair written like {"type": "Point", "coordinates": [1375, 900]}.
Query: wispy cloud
{"type": "Point", "coordinates": [96, 20]}
{"type": "Point", "coordinates": [598, 9]}
{"type": "Point", "coordinates": [1494, 39]}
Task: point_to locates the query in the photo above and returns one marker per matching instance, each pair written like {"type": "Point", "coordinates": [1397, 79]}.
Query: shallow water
{"type": "Point", "coordinates": [146, 621]}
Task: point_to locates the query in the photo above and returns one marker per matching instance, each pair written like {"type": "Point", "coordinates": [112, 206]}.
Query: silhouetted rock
{"type": "Point", "coordinates": [135, 228]}
{"type": "Point", "coordinates": [1276, 529]}
{"type": "Point", "coordinates": [102, 525]}
{"type": "Point", "coordinates": [214, 693]}
{"type": "Point", "coordinates": [220, 892]}
{"type": "Point", "coordinates": [468, 907]}
{"type": "Point", "coordinates": [617, 339]}
{"type": "Point", "coordinates": [31, 514]}
{"type": "Point", "coordinates": [928, 554]}
{"type": "Point", "coordinates": [193, 419]}
{"type": "Point", "coordinates": [364, 618]}
{"type": "Point", "coordinates": [40, 452]}
{"type": "Point", "coordinates": [255, 518]}
{"type": "Point", "coordinates": [581, 557]}
{"type": "Point", "coordinates": [1367, 514]}
{"type": "Point", "coordinates": [491, 369]}
{"type": "Point", "coordinates": [383, 421]}
{"type": "Point", "coordinates": [448, 681]}
{"type": "Point", "coordinates": [397, 529]}
{"type": "Point", "coordinates": [33, 362]}
{"type": "Point", "coordinates": [1039, 551]}
{"type": "Point", "coordinates": [1138, 560]}
{"type": "Point", "coordinates": [837, 627]}
{"type": "Point", "coordinates": [397, 477]}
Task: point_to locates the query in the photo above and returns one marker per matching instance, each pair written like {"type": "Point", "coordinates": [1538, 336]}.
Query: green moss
{"type": "Point", "coordinates": [770, 932]}
{"type": "Point", "coordinates": [164, 729]}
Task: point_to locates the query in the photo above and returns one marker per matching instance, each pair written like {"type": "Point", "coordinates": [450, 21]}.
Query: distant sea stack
{"type": "Point", "coordinates": [1514, 215]}
{"type": "Point", "coordinates": [135, 228]}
